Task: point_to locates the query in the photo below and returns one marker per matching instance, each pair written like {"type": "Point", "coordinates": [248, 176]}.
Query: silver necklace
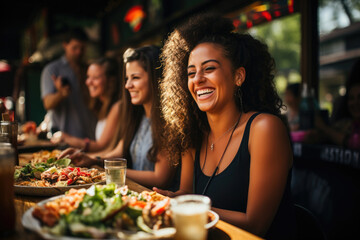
{"type": "Point", "coordinates": [213, 143]}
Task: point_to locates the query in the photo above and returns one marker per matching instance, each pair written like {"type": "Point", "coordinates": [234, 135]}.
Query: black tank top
{"type": "Point", "coordinates": [229, 189]}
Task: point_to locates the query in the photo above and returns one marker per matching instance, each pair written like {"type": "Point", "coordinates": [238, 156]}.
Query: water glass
{"type": "Point", "coordinates": [7, 206]}
{"type": "Point", "coordinates": [115, 171]}
{"type": "Point", "coordinates": [190, 215]}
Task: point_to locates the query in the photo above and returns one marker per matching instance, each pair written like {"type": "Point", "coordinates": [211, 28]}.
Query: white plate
{"type": "Point", "coordinates": [31, 223]}
{"type": "Point", "coordinates": [49, 191]}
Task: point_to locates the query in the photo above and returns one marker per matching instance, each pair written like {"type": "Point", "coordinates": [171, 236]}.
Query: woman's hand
{"type": "Point", "coordinates": [58, 137]}
{"type": "Point", "coordinates": [62, 137]}
{"type": "Point", "coordinates": [78, 158]}
{"type": "Point", "coordinates": [164, 192]}
{"type": "Point", "coordinates": [170, 193]}
{"type": "Point", "coordinates": [67, 153]}
{"type": "Point", "coordinates": [82, 160]}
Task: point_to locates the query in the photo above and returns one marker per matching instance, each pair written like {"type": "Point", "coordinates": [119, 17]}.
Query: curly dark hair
{"type": "Point", "coordinates": [131, 115]}
{"type": "Point", "coordinates": [185, 123]}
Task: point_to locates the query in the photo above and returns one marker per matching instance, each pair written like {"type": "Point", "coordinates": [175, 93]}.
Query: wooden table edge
{"type": "Point", "coordinates": [26, 202]}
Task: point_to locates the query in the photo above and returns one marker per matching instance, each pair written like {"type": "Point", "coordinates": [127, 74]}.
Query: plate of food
{"type": "Point", "coordinates": [43, 155]}
{"type": "Point", "coordinates": [53, 177]}
{"type": "Point", "coordinates": [104, 212]}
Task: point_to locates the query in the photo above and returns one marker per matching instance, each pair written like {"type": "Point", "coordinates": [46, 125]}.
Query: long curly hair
{"type": "Point", "coordinates": [185, 123]}
{"type": "Point", "coordinates": [131, 115]}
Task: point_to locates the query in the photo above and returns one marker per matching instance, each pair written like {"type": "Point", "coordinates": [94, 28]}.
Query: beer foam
{"type": "Point", "coordinates": [190, 208]}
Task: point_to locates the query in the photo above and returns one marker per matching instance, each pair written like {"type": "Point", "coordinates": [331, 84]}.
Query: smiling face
{"type": "Point", "coordinates": [137, 83]}
{"type": "Point", "coordinates": [211, 80]}
{"type": "Point", "coordinates": [354, 101]}
{"type": "Point", "coordinates": [96, 81]}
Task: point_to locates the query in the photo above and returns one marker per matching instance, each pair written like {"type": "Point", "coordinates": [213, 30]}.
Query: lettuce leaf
{"type": "Point", "coordinates": [51, 160]}
{"type": "Point", "coordinates": [17, 174]}
{"type": "Point", "coordinates": [63, 162]}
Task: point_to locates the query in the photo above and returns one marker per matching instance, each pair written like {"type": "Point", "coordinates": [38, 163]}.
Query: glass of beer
{"type": "Point", "coordinates": [190, 215]}
{"type": "Point", "coordinates": [115, 171]}
{"type": "Point", "coordinates": [7, 206]}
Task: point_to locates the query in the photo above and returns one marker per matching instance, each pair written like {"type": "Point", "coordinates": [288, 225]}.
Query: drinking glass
{"type": "Point", "coordinates": [8, 133]}
{"type": "Point", "coordinates": [115, 171]}
{"type": "Point", "coordinates": [7, 207]}
{"type": "Point", "coordinates": [190, 215]}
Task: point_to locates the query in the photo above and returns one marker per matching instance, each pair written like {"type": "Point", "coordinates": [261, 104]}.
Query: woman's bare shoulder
{"type": "Point", "coordinates": [114, 112]}
{"type": "Point", "coordinates": [268, 126]}
{"type": "Point", "coordinates": [267, 121]}
{"type": "Point", "coordinates": [269, 133]}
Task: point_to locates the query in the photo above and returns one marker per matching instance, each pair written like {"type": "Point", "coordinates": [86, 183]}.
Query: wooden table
{"type": "Point", "coordinates": [222, 230]}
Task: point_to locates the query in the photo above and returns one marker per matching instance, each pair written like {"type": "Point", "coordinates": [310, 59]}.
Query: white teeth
{"type": "Point", "coordinates": [204, 91]}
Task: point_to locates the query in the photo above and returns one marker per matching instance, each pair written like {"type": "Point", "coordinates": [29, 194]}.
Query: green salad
{"type": "Point", "coordinates": [106, 210]}
{"type": "Point", "coordinates": [56, 173]}
{"type": "Point", "coordinates": [34, 171]}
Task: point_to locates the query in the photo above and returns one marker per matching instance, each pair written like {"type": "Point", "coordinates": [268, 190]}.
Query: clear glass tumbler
{"type": "Point", "coordinates": [115, 171]}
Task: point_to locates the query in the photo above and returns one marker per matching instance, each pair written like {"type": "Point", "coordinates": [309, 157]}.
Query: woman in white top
{"type": "Point", "coordinates": [103, 83]}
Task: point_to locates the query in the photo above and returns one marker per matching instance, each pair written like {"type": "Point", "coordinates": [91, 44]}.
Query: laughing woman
{"type": "Point", "coordinates": [223, 118]}
{"type": "Point", "coordinates": [141, 122]}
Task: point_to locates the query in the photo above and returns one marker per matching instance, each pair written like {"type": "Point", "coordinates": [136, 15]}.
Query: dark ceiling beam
{"type": "Point", "coordinates": [221, 7]}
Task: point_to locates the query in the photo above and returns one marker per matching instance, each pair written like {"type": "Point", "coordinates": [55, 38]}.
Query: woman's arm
{"type": "Point", "coordinates": [271, 159]}
{"type": "Point", "coordinates": [78, 158]}
{"type": "Point", "coordinates": [186, 180]}
{"type": "Point", "coordinates": [160, 177]}
{"type": "Point", "coordinates": [187, 172]}
{"type": "Point", "coordinates": [72, 141]}
{"type": "Point", "coordinates": [116, 152]}
{"type": "Point", "coordinates": [94, 146]}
